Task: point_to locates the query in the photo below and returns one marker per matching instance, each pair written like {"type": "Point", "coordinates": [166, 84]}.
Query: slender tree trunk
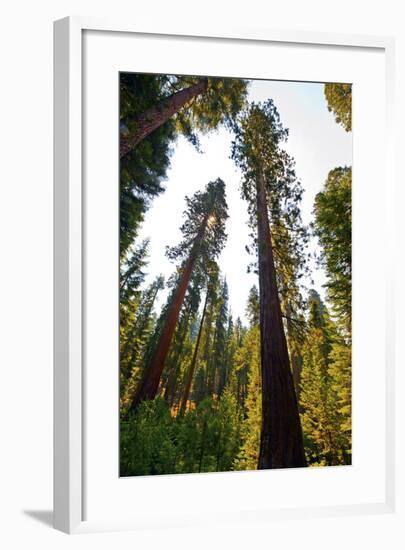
{"type": "Point", "coordinates": [167, 383]}
{"type": "Point", "coordinates": [191, 369]}
{"type": "Point", "coordinates": [296, 373]}
{"type": "Point", "coordinates": [155, 116]}
{"type": "Point", "coordinates": [150, 382]}
{"type": "Point", "coordinates": [169, 392]}
{"type": "Point", "coordinates": [219, 448]}
{"type": "Point", "coordinates": [295, 358]}
{"type": "Point", "coordinates": [281, 444]}
{"type": "Point", "coordinates": [200, 461]}
{"type": "Point", "coordinates": [212, 366]}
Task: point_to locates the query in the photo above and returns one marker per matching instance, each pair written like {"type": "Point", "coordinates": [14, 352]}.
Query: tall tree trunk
{"type": "Point", "coordinates": [200, 461]}
{"type": "Point", "coordinates": [281, 444]}
{"type": "Point", "coordinates": [150, 382]}
{"type": "Point", "coordinates": [168, 382]}
{"type": "Point", "coordinates": [211, 366]}
{"type": "Point", "coordinates": [191, 369]}
{"type": "Point", "coordinates": [170, 389]}
{"type": "Point", "coordinates": [296, 373]}
{"type": "Point", "coordinates": [155, 116]}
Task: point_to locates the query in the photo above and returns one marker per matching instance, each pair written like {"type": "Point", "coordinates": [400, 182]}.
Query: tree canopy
{"type": "Point", "coordinates": [339, 100]}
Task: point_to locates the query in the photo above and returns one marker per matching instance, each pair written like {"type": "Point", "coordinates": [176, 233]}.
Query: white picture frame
{"type": "Point", "coordinates": [69, 211]}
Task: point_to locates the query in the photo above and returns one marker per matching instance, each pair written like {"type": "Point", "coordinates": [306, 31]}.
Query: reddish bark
{"type": "Point", "coordinates": [156, 115]}
{"type": "Point", "coordinates": [281, 444]}
{"type": "Point", "coordinates": [150, 382]}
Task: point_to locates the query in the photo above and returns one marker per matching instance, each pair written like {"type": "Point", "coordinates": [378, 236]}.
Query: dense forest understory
{"type": "Point", "coordinates": [201, 391]}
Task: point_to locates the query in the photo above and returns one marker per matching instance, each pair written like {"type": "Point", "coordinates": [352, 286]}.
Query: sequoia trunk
{"type": "Point", "coordinates": [281, 444]}
{"type": "Point", "coordinates": [156, 115]}
{"type": "Point", "coordinates": [150, 382]}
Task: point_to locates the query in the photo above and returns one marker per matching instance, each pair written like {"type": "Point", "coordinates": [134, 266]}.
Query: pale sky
{"type": "Point", "coordinates": [316, 143]}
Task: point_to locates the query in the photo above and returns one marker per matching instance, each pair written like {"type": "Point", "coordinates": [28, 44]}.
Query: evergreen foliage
{"type": "Point", "coordinates": [325, 390]}
{"type": "Point", "coordinates": [197, 385]}
{"type": "Point", "coordinates": [339, 100]}
{"type": "Point", "coordinates": [333, 227]}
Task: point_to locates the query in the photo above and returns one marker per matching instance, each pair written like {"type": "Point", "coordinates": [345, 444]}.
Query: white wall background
{"type": "Point", "coordinates": [26, 272]}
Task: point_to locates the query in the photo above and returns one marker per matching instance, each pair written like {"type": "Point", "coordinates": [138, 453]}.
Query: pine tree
{"type": "Point", "coordinates": [133, 347]}
{"type": "Point", "coordinates": [132, 272]}
{"type": "Point", "coordinates": [333, 227]}
{"type": "Point", "coordinates": [340, 372]}
{"type": "Point", "coordinates": [268, 185]}
{"type": "Point", "coordinates": [227, 432]}
{"type": "Point", "coordinates": [320, 418]}
{"type": "Point", "coordinates": [248, 359]}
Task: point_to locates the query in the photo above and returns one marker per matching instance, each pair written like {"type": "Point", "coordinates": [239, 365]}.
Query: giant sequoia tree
{"type": "Point", "coordinates": [203, 238]}
{"type": "Point", "coordinates": [268, 183]}
{"type": "Point", "coordinates": [197, 103]}
{"type": "Point", "coordinates": [182, 343]}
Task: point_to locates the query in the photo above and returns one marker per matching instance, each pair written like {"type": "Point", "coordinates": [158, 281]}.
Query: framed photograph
{"type": "Point", "coordinates": [217, 284]}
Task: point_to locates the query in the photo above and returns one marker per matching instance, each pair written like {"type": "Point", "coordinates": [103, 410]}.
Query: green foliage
{"type": "Point", "coordinates": [133, 341]}
{"type": "Point", "coordinates": [132, 271]}
{"type": "Point", "coordinates": [207, 206]}
{"type": "Point", "coordinates": [147, 441]}
{"type": "Point", "coordinates": [248, 358]}
{"type": "Point", "coordinates": [253, 308]}
{"type": "Point", "coordinates": [222, 101]}
{"type": "Point", "coordinates": [144, 169]}
{"type": "Point", "coordinates": [257, 150]}
{"type": "Point", "coordinates": [340, 372]}
{"type": "Point", "coordinates": [219, 429]}
{"type": "Point", "coordinates": [333, 227]}
{"type": "Point", "coordinates": [132, 274]}
{"type": "Point", "coordinates": [203, 440]}
{"type": "Point", "coordinates": [339, 100]}
{"type": "Point", "coordinates": [325, 392]}
{"type": "Point", "coordinates": [204, 236]}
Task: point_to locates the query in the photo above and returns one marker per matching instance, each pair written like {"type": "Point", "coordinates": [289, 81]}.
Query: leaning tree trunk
{"type": "Point", "coordinates": [193, 363]}
{"type": "Point", "coordinates": [155, 116]}
{"type": "Point", "coordinates": [281, 444]}
{"type": "Point", "coordinates": [150, 382]}
{"type": "Point", "coordinates": [295, 357]}
{"type": "Point", "coordinates": [169, 385]}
